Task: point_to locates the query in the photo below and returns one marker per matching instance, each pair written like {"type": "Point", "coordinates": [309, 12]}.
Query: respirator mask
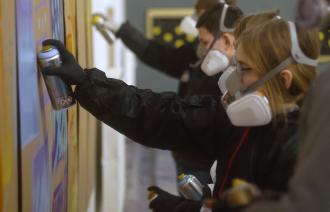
{"type": "Point", "coordinates": [214, 60]}
{"type": "Point", "coordinates": [245, 106]}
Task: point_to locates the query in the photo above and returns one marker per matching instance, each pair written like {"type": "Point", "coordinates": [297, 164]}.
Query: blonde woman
{"type": "Point", "coordinates": [260, 149]}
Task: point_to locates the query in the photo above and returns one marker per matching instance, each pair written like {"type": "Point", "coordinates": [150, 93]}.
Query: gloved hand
{"type": "Point", "coordinates": [70, 71]}
{"type": "Point", "coordinates": [188, 206]}
{"type": "Point", "coordinates": [164, 202]}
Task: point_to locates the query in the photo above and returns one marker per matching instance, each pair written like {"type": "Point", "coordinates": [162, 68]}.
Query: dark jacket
{"type": "Point", "coordinates": [175, 62]}
{"type": "Point", "coordinates": [309, 185]}
{"type": "Point", "coordinates": [197, 125]}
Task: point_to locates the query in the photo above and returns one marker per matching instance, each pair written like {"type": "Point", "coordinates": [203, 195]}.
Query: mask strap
{"type": "Point", "coordinates": [296, 52]}
{"type": "Point", "coordinates": [200, 61]}
{"type": "Point", "coordinates": [269, 75]}
{"type": "Point", "coordinates": [223, 28]}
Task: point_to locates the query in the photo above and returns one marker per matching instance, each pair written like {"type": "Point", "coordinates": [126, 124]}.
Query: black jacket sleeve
{"type": "Point", "coordinates": [160, 120]}
{"type": "Point", "coordinates": [171, 61]}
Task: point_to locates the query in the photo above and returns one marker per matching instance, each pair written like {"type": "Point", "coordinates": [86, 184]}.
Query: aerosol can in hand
{"type": "Point", "coordinates": [190, 187]}
{"type": "Point", "coordinates": [101, 25]}
{"type": "Point", "coordinates": [61, 94]}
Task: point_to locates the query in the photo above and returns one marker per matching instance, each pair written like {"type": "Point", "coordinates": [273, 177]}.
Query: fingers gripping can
{"type": "Point", "coordinates": [190, 187]}
{"type": "Point", "coordinates": [61, 94]}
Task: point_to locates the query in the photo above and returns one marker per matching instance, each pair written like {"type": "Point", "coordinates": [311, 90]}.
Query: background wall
{"type": "Point", "coordinates": [116, 62]}
{"type": "Point", "coordinates": [136, 11]}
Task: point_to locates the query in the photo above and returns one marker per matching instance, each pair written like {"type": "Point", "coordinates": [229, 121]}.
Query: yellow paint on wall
{"type": "Point", "coordinates": [1, 189]}
{"type": "Point", "coordinates": [70, 41]}
{"type": "Point", "coordinates": [2, 89]}
{"type": "Point", "coordinates": [6, 150]}
{"type": "Point", "coordinates": [5, 121]}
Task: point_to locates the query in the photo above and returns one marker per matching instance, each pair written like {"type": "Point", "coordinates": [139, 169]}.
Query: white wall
{"type": "Point", "coordinates": [113, 143]}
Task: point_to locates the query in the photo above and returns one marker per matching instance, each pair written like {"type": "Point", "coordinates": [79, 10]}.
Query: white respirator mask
{"type": "Point", "coordinates": [188, 25]}
{"type": "Point", "coordinates": [245, 106]}
{"type": "Point", "coordinates": [216, 61]}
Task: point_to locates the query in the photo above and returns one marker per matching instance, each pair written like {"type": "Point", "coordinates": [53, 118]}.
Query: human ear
{"type": "Point", "coordinates": [287, 77]}
{"type": "Point", "coordinates": [229, 43]}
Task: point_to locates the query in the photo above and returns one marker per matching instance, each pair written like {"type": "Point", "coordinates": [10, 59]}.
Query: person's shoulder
{"type": "Point", "coordinates": [322, 83]}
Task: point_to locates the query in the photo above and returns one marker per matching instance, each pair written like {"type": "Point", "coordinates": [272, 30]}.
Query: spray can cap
{"type": "Point", "coordinates": [48, 51]}
{"type": "Point", "coordinates": [181, 176]}
{"type": "Point", "coordinates": [97, 19]}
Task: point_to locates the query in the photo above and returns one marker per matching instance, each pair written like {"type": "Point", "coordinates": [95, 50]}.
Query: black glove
{"type": "Point", "coordinates": [70, 71]}
{"type": "Point", "coordinates": [193, 206]}
{"type": "Point", "coordinates": [164, 202]}
{"type": "Point", "coordinates": [188, 206]}
{"type": "Point", "coordinates": [221, 205]}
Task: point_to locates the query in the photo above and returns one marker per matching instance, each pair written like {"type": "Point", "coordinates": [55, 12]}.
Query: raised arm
{"type": "Point", "coordinates": [165, 58]}
{"type": "Point", "coordinates": [161, 120]}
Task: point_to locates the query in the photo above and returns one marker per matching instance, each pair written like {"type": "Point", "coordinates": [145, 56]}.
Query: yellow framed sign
{"type": "Point", "coordinates": [163, 24]}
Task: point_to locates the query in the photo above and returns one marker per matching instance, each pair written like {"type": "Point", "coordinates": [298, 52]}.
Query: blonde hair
{"type": "Point", "coordinates": [266, 46]}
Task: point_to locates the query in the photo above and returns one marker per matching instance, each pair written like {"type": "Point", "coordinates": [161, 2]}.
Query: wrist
{"type": "Point", "coordinates": [121, 29]}
{"type": "Point", "coordinates": [82, 78]}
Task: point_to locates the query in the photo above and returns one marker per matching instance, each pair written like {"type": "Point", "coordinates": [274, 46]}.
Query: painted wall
{"type": "Point", "coordinates": [46, 164]}
{"type": "Point", "coordinates": [8, 123]}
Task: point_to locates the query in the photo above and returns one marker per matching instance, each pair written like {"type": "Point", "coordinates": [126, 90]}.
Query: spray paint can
{"type": "Point", "coordinates": [190, 187]}
{"type": "Point", "coordinates": [100, 23]}
{"type": "Point", "coordinates": [61, 94]}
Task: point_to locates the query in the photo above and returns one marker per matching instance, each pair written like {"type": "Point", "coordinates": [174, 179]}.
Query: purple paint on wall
{"type": "Point", "coordinates": [41, 184]}
{"type": "Point", "coordinates": [60, 196]}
